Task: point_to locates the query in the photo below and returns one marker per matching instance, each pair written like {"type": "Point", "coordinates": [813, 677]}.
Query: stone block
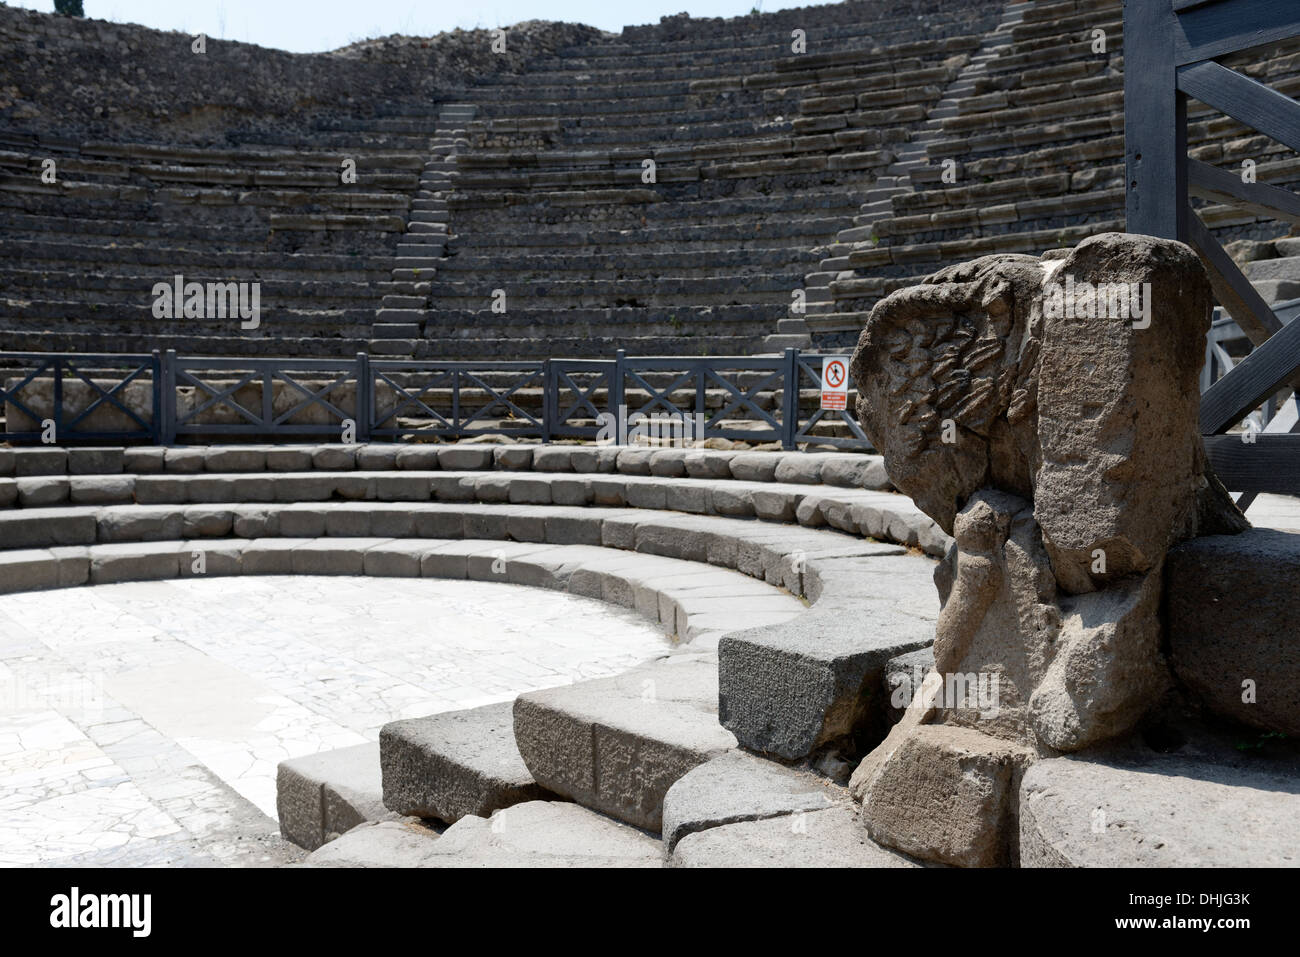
{"type": "Point", "coordinates": [396, 559]}
{"type": "Point", "coordinates": [184, 460]}
{"type": "Point", "coordinates": [617, 744]}
{"type": "Point", "coordinates": [234, 458]}
{"type": "Point", "coordinates": [95, 461]}
{"type": "Point", "coordinates": [855, 471]}
{"type": "Point", "coordinates": [632, 461]}
{"type": "Point", "coordinates": [40, 461]}
{"type": "Point", "coordinates": [28, 570]}
{"type": "Point", "coordinates": [799, 469]}
{"type": "Point", "coordinates": [708, 464]}
{"type": "Point", "coordinates": [287, 458]}
{"type": "Point", "coordinates": [43, 490]}
{"type": "Point", "coordinates": [144, 461]}
{"type": "Point", "coordinates": [948, 795]}
{"type": "Point", "coordinates": [102, 489]}
{"type": "Point", "coordinates": [589, 459]}
{"type": "Point", "coordinates": [544, 834]}
{"type": "Point", "coordinates": [815, 681]}
{"type": "Point", "coordinates": [466, 457]}
{"type": "Point", "coordinates": [513, 458]}
{"type": "Point", "coordinates": [1206, 805]}
{"type": "Point", "coordinates": [334, 458]}
{"type": "Point", "coordinates": [417, 458]}
{"type": "Point", "coordinates": [321, 796]}
{"type": "Point", "coordinates": [382, 844]}
{"type": "Point", "coordinates": [1231, 607]}
{"type": "Point", "coordinates": [51, 526]}
{"type": "Point", "coordinates": [134, 561]}
{"type": "Point", "coordinates": [755, 466]}
{"type": "Point", "coordinates": [377, 458]}
{"type": "Point", "coordinates": [829, 838]}
{"type": "Point", "coordinates": [740, 787]}
{"type": "Point", "coordinates": [403, 488]}
{"type": "Point", "coordinates": [451, 765]}
{"type": "Point", "coordinates": [668, 463]}
{"type": "Point", "coordinates": [146, 523]}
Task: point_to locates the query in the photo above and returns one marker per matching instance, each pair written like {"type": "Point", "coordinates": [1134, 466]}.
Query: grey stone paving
{"type": "Point", "coordinates": [143, 723]}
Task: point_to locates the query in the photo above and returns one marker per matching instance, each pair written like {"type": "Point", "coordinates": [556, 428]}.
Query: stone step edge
{"type": "Point", "coordinates": [659, 588]}
{"type": "Point", "coordinates": [796, 559]}
{"type": "Point", "coordinates": [110, 503]}
{"type": "Point", "coordinates": [843, 470]}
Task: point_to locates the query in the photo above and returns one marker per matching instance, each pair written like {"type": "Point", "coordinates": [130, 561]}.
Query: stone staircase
{"type": "Point", "coordinates": [896, 179]}
{"type": "Point", "coordinates": [399, 323]}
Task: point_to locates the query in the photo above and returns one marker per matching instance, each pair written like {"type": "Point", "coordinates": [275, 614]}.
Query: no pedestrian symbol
{"type": "Point", "coordinates": [835, 382]}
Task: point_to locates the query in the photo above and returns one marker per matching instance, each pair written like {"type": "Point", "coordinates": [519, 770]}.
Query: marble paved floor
{"type": "Point", "coordinates": [142, 723]}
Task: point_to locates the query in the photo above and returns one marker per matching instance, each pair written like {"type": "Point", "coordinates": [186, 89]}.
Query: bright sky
{"type": "Point", "coordinates": [306, 26]}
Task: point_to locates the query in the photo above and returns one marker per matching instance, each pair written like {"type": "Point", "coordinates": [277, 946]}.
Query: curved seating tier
{"type": "Point", "coordinates": [1032, 133]}
{"type": "Point", "coordinates": [768, 615]}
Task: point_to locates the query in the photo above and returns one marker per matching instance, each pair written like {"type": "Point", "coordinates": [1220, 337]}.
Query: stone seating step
{"type": "Point", "coordinates": [80, 310]}
{"type": "Point", "coordinates": [1205, 804]}
{"type": "Point", "coordinates": [617, 744]}
{"type": "Point", "coordinates": [409, 331]}
{"type": "Point", "coordinates": [535, 834]}
{"type": "Point", "coordinates": [665, 590]}
{"type": "Point", "coordinates": [279, 265]}
{"type": "Point", "coordinates": [832, 837]}
{"type": "Point", "coordinates": [737, 786]}
{"type": "Point", "coordinates": [454, 765]}
{"type": "Point", "coordinates": [583, 346]}
{"type": "Point", "coordinates": [209, 345]}
{"type": "Point", "coordinates": [666, 238]}
{"type": "Point", "coordinates": [394, 347]}
{"type": "Point", "coordinates": [125, 284]}
{"type": "Point", "coordinates": [383, 844]}
{"type": "Point", "coordinates": [321, 796]}
{"type": "Point", "coordinates": [538, 265]}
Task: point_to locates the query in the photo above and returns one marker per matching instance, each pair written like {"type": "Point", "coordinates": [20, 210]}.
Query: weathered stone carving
{"type": "Point", "coordinates": [1044, 413]}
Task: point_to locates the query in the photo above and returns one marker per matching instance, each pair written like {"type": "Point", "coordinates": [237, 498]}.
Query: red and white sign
{"type": "Point", "coordinates": [835, 382]}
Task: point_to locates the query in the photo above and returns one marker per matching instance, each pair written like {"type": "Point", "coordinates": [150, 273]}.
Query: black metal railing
{"type": "Point", "coordinates": [759, 399]}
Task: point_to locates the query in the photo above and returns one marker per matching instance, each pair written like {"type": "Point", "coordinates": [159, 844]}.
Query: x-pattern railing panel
{"type": "Point", "coordinates": [746, 400]}
{"type": "Point", "coordinates": [292, 375]}
{"type": "Point", "coordinates": [223, 398]}
{"type": "Point", "coordinates": [314, 397]}
{"type": "Point", "coordinates": [413, 400]}
{"type": "Point", "coordinates": [502, 398]}
{"type": "Point", "coordinates": [661, 398]}
{"type": "Point", "coordinates": [459, 378]}
{"type": "Point", "coordinates": [80, 368]}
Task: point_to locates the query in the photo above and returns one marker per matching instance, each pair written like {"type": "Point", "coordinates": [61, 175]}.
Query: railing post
{"type": "Point", "coordinates": [790, 400]}
{"type": "Point", "coordinates": [550, 403]}
{"type": "Point", "coordinates": [155, 411]}
{"type": "Point", "coordinates": [616, 397]}
{"type": "Point", "coordinates": [58, 403]}
{"type": "Point", "coordinates": [167, 411]}
{"type": "Point", "coordinates": [363, 409]}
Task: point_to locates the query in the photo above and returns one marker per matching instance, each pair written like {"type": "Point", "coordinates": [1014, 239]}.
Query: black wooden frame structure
{"type": "Point", "coordinates": [1172, 50]}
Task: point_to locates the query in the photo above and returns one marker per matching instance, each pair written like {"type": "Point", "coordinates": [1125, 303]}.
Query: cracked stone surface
{"type": "Point", "coordinates": [141, 724]}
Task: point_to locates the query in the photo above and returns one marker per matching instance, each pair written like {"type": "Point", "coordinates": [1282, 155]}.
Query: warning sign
{"type": "Point", "coordinates": [835, 382]}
